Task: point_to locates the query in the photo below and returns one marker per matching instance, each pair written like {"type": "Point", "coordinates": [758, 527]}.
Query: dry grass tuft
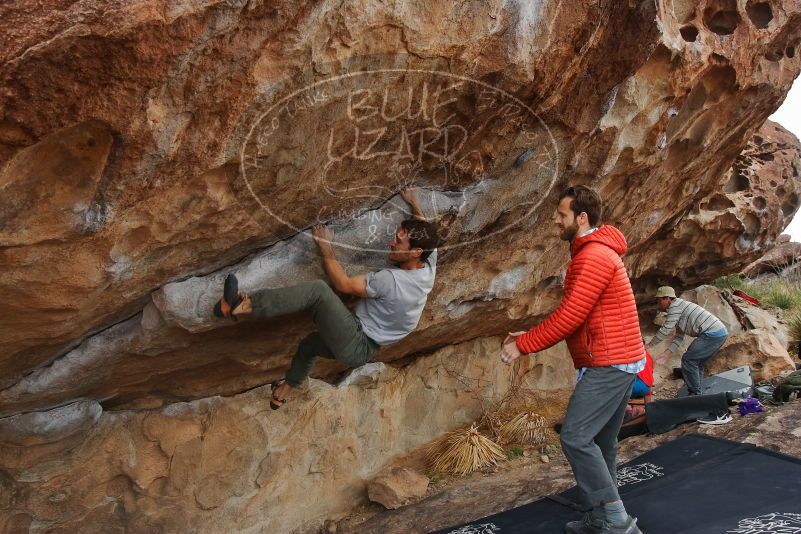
{"type": "Point", "coordinates": [463, 451]}
{"type": "Point", "coordinates": [527, 428]}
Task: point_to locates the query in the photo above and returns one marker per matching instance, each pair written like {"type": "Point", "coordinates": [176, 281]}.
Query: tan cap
{"type": "Point", "coordinates": [665, 291]}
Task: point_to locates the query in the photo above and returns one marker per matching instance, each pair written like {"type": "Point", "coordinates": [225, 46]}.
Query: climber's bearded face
{"type": "Point", "coordinates": [663, 303]}
{"type": "Point", "coordinates": [400, 250]}
{"type": "Point", "coordinates": [565, 220]}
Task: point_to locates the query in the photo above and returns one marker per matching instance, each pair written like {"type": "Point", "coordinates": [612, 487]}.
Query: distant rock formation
{"type": "Point", "coordinates": [786, 255]}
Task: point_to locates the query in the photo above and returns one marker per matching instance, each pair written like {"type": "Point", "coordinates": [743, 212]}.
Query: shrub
{"type": "Point", "coordinates": [783, 296]}
{"type": "Point", "coordinates": [731, 282]}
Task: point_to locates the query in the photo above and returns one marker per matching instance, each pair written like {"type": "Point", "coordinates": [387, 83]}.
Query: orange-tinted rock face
{"type": "Point", "coordinates": [149, 141]}
{"type": "Point", "coordinates": [149, 148]}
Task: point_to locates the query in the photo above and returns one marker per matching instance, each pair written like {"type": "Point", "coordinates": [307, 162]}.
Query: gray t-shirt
{"type": "Point", "coordinates": [396, 301]}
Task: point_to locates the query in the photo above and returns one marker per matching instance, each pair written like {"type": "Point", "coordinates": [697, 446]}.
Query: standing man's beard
{"type": "Point", "coordinates": [569, 232]}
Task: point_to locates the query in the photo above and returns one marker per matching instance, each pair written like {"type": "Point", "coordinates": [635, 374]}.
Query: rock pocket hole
{"type": "Point", "coordinates": [790, 205]}
{"type": "Point", "coordinates": [751, 224]}
{"type": "Point", "coordinates": [722, 17]}
{"type": "Point", "coordinates": [774, 55]}
{"type": "Point", "coordinates": [760, 14]}
{"type": "Point", "coordinates": [719, 203]}
{"type": "Point", "coordinates": [790, 52]}
{"type": "Point", "coordinates": [738, 182]}
{"type": "Point", "coordinates": [689, 33]}
{"type": "Point", "coordinates": [760, 203]}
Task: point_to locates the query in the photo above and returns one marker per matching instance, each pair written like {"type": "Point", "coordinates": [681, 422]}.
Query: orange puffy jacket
{"type": "Point", "coordinates": [597, 315]}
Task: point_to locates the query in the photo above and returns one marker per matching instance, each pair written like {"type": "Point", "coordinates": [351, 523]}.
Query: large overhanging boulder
{"type": "Point", "coordinates": [140, 169]}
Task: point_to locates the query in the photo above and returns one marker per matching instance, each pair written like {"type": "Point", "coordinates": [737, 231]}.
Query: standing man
{"type": "Point", "coordinates": [598, 318]}
{"type": "Point", "coordinates": [689, 318]}
{"type": "Point", "coordinates": [392, 300]}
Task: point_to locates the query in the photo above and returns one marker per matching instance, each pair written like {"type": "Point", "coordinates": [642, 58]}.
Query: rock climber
{"type": "Point", "coordinates": [391, 300]}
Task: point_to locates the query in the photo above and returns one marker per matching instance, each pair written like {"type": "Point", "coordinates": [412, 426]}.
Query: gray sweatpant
{"type": "Point", "coordinates": [339, 334]}
{"type": "Point", "coordinates": [700, 351]}
{"type": "Point", "coordinates": [589, 432]}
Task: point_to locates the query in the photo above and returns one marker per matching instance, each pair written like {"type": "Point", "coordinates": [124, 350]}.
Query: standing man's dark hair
{"type": "Point", "coordinates": [584, 200]}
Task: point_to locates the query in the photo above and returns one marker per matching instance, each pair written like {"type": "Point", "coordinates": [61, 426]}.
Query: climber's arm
{"type": "Point", "coordinates": [409, 194]}
{"type": "Point", "coordinates": [340, 281]}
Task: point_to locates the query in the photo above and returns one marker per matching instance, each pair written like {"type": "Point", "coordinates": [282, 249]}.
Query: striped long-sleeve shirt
{"type": "Point", "coordinates": [688, 318]}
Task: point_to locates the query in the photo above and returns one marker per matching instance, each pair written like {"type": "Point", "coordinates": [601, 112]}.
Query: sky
{"type": "Point", "coordinates": [789, 116]}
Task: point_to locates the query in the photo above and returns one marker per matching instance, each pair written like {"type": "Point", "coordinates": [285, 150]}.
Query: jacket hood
{"type": "Point", "coordinates": [606, 235]}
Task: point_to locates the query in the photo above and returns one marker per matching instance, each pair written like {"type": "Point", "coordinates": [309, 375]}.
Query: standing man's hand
{"type": "Point", "coordinates": [512, 336]}
{"type": "Point", "coordinates": [663, 356]}
{"type": "Point", "coordinates": [322, 235]}
{"type": "Point", "coordinates": [510, 352]}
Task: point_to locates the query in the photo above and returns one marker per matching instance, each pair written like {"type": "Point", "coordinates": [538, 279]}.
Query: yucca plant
{"type": "Point", "coordinates": [463, 451]}
{"type": "Point", "coordinates": [527, 428]}
{"type": "Point", "coordinates": [517, 399]}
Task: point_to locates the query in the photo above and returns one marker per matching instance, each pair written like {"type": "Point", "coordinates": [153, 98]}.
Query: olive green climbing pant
{"type": "Point", "coordinates": [339, 334]}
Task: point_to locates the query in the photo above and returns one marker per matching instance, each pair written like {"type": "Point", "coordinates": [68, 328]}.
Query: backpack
{"type": "Point", "coordinates": [789, 388]}
{"type": "Point", "coordinates": [764, 391]}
